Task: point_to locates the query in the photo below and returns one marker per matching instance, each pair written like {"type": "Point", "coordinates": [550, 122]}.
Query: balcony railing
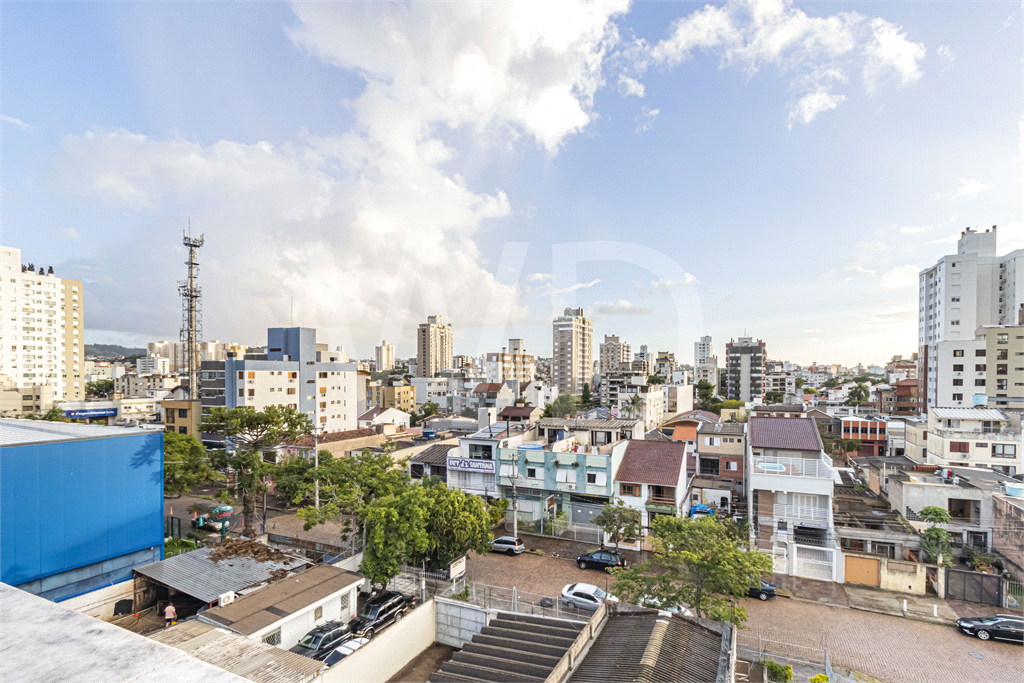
{"type": "Point", "coordinates": [802, 512]}
{"type": "Point", "coordinates": [820, 468]}
{"type": "Point", "coordinates": [986, 432]}
{"type": "Point", "coordinates": [661, 500]}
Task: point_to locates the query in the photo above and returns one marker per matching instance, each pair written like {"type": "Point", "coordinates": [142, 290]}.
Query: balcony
{"type": "Point", "coordinates": [982, 432]}
{"type": "Point", "coordinates": [812, 516]}
{"type": "Point", "coordinates": [797, 475]}
{"type": "Point", "coordinates": [661, 504]}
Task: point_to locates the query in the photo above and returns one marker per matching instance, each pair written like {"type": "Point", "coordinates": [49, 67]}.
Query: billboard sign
{"type": "Point", "coordinates": [469, 465]}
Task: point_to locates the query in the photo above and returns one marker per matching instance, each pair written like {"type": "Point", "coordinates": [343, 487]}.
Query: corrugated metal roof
{"type": "Point", "coordinates": [968, 414]}
{"type": "Point", "coordinates": [434, 455]}
{"type": "Point", "coordinates": [19, 432]}
{"type": "Point", "coordinates": [569, 423]}
{"type": "Point", "coordinates": [195, 574]}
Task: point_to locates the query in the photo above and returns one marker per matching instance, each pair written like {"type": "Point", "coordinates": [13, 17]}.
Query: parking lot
{"type": "Point", "coordinates": [892, 649]}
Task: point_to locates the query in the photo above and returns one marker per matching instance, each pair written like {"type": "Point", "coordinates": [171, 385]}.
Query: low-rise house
{"type": "Point", "coordinates": [473, 466]}
{"type": "Point", "coordinates": [496, 395]}
{"type": "Point", "coordinates": [383, 416]}
{"type": "Point", "coordinates": [651, 478]}
{"type": "Point", "coordinates": [972, 437]}
{"type": "Point", "coordinates": [899, 398]}
{"type": "Point", "coordinates": [525, 414]}
{"type": "Point", "coordinates": [871, 433]}
{"type": "Point", "coordinates": [780, 410]}
{"type": "Point", "coordinates": [1008, 529]}
{"type": "Point", "coordinates": [583, 432]}
{"type": "Point", "coordinates": [718, 467]}
{"type": "Point", "coordinates": [431, 461]}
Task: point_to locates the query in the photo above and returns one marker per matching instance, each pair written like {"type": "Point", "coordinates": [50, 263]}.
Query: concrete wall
{"type": "Point", "coordinates": [387, 653]}
{"type": "Point", "coordinates": [100, 602]}
{"type": "Point", "coordinates": [903, 577]}
{"type": "Point", "coordinates": [458, 622]}
{"type": "Point", "coordinates": [294, 627]}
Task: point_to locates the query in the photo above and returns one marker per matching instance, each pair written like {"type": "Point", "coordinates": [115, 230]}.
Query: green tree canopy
{"type": "Point", "coordinates": [655, 379]}
{"type": "Point", "coordinates": [101, 388]}
{"type": "Point", "coordinates": [727, 405]}
{"type": "Point", "coordinates": [186, 464]}
{"type": "Point", "coordinates": [935, 541]}
{"type": "Point", "coordinates": [565, 404]}
{"type": "Point", "coordinates": [705, 564]}
{"type": "Point", "coordinates": [585, 399]}
{"type": "Point", "coordinates": [619, 521]}
{"type": "Point", "coordinates": [468, 412]}
{"type": "Point", "coordinates": [773, 396]}
{"type": "Point", "coordinates": [705, 392]}
{"type": "Point", "coordinates": [832, 382]}
{"type": "Point", "coordinates": [857, 394]}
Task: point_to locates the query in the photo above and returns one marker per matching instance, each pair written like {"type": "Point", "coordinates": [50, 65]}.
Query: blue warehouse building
{"type": "Point", "coordinates": [81, 505]}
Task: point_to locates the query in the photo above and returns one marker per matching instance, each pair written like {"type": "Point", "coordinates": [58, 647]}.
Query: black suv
{"type": "Point", "coordinates": [998, 626]}
{"type": "Point", "coordinates": [601, 559]}
{"type": "Point", "coordinates": [379, 611]}
{"type": "Point", "coordinates": [322, 640]}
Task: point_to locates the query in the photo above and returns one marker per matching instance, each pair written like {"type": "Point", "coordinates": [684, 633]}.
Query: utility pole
{"type": "Point", "coordinates": [515, 489]}
{"type": "Point", "coordinates": [191, 313]}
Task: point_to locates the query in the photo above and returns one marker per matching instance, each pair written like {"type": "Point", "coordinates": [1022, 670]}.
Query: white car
{"type": "Point", "coordinates": [585, 596]}
{"type": "Point", "coordinates": [345, 650]}
{"type": "Point", "coordinates": [655, 603]}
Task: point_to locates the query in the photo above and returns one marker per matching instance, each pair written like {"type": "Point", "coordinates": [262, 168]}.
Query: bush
{"type": "Point", "coordinates": [778, 672]}
{"type": "Point", "coordinates": [463, 596]}
{"type": "Point", "coordinates": [819, 678]}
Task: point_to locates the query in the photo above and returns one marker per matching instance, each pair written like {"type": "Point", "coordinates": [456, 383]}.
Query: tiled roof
{"type": "Point", "coordinates": [784, 433]}
{"type": "Point", "coordinates": [652, 462]}
{"type": "Point", "coordinates": [487, 388]}
{"type": "Point", "coordinates": [333, 437]}
{"type": "Point", "coordinates": [702, 415]}
{"type": "Point", "coordinates": [371, 413]}
{"type": "Point", "coordinates": [728, 428]}
{"type": "Point", "coordinates": [434, 455]}
{"type": "Point", "coordinates": [583, 424]}
{"type": "Point", "coordinates": [517, 411]}
{"type": "Point", "coordinates": [655, 435]}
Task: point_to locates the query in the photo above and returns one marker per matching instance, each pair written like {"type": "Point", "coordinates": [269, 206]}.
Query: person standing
{"type": "Point", "coordinates": [170, 614]}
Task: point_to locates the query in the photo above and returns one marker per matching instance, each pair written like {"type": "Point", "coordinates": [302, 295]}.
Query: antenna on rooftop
{"type": "Point", "coordinates": [191, 312]}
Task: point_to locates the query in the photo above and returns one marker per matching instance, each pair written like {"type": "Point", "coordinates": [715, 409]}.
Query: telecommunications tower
{"type": "Point", "coordinates": [192, 315]}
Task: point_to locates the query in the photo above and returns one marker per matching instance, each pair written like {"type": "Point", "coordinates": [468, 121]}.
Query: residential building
{"type": "Point", "coordinates": [97, 370]}
{"type": "Point", "coordinates": [708, 372]}
{"type": "Point", "coordinates": [572, 351]}
{"type": "Point", "coordinates": [641, 367]}
{"type": "Point", "coordinates": [473, 466]}
{"type": "Point", "coordinates": [613, 354]}
{"type": "Point", "coordinates": [145, 386]}
{"type": "Point", "coordinates": [42, 329]}
{"type": "Point", "coordinates": [524, 414]}
{"type": "Point", "coordinates": [183, 417]}
{"type": "Point", "coordinates": [430, 390]}
{"type": "Point", "coordinates": [956, 296]}
{"type": "Point", "coordinates": [782, 383]}
{"type": "Point", "coordinates": [643, 354]}
{"type": "Point", "coordinates": [513, 363]}
{"type": "Point", "coordinates": [431, 462]}
{"type": "Point", "coordinates": [538, 393]}
{"type": "Point", "coordinates": [492, 395]}
{"type": "Point", "coordinates": [744, 362]}
{"type": "Point", "coordinates": [385, 357]}
{"type": "Point", "coordinates": [99, 515]}
{"type": "Point", "coordinates": [790, 487]}
{"type": "Point", "coordinates": [383, 416]}
{"type": "Point", "coordinates": [678, 398]}
{"type": "Point", "coordinates": [899, 368]}
{"type": "Point", "coordinates": [619, 390]}
{"type": "Point", "coordinates": [973, 437]}
{"type": "Point", "coordinates": [899, 398]}
{"type": "Point", "coordinates": [702, 350]}
{"type": "Point", "coordinates": [871, 433]}
{"type": "Point", "coordinates": [1007, 528]}
{"type": "Point", "coordinates": [651, 479]}
{"type": "Point", "coordinates": [212, 350]}
{"type": "Point", "coordinates": [434, 342]}
{"type": "Point", "coordinates": [1004, 366]}
{"type": "Point", "coordinates": [152, 365]}
{"type": "Point", "coordinates": [16, 401]}
{"type": "Point", "coordinates": [717, 467]}
{"type": "Point", "coordinates": [396, 395]}
{"type": "Point", "coordinates": [664, 365]}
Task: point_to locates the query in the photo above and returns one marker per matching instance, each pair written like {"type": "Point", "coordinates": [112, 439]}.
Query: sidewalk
{"type": "Point", "coordinates": [921, 607]}
{"type": "Point", "coordinates": [811, 590]}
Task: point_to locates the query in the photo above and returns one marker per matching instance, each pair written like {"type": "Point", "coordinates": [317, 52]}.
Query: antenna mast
{"type": "Point", "coordinates": [191, 315]}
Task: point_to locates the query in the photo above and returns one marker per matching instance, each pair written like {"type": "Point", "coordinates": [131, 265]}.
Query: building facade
{"type": "Point", "coordinates": [613, 353]}
{"type": "Point", "coordinates": [400, 396]}
{"type": "Point", "coordinates": [1004, 366]}
{"type": "Point", "coordinates": [572, 353]}
{"type": "Point", "coordinates": [384, 357]}
{"type": "Point", "coordinates": [434, 347]}
{"type": "Point", "coordinates": [513, 363]}
{"type": "Point", "coordinates": [745, 365]}
{"type": "Point", "coordinates": [152, 365]}
{"type": "Point", "coordinates": [702, 350]}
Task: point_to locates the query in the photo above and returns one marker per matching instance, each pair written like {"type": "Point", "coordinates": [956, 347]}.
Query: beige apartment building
{"type": "Point", "coordinates": [513, 363]}
{"type": "Point", "coordinates": [385, 356]}
{"type": "Point", "coordinates": [1004, 365]}
{"type": "Point", "coordinates": [32, 400]}
{"type": "Point", "coordinates": [402, 396]}
{"type": "Point", "coordinates": [572, 353]}
{"type": "Point", "coordinates": [433, 347]}
{"type": "Point", "coordinates": [42, 326]}
{"type": "Point", "coordinates": [612, 354]}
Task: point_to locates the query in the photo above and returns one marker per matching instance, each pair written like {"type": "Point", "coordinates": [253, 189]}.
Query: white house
{"type": "Point", "coordinates": [383, 416]}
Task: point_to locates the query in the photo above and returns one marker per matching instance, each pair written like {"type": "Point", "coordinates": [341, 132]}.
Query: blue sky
{"type": "Point", "coordinates": [775, 169]}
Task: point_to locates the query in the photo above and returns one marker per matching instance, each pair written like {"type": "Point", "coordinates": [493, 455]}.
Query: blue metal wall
{"type": "Point", "coordinates": [68, 504]}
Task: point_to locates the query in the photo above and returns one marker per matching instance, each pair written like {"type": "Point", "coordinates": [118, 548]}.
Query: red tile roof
{"type": "Point", "coordinates": [332, 437]}
{"type": "Point", "coordinates": [517, 411]}
{"type": "Point", "coordinates": [784, 433]}
{"type": "Point", "coordinates": [652, 462]}
{"type": "Point", "coordinates": [487, 388]}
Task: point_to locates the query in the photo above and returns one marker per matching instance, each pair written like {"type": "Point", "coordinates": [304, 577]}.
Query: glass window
{"type": "Point", "coordinates": [1002, 338]}
{"type": "Point", "coordinates": [958, 353]}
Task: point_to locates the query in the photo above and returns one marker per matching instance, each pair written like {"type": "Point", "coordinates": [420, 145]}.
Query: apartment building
{"type": "Point", "coordinates": [665, 364]}
{"type": "Point", "coordinates": [19, 401]}
{"type": "Point", "coordinates": [781, 383]}
{"type": "Point", "coordinates": [708, 372]}
{"type": "Point", "coordinates": [702, 350]}
{"type": "Point", "coordinates": [434, 342]}
{"type": "Point", "coordinates": [174, 352]}
{"type": "Point", "coordinates": [678, 398]}
{"type": "Point", "coordinates": [717, 467]}
{"type": "Point", "coordinates": [183, 417]}
{"type": "Point", "coordinates": [572, 353]}
{"type": "Point", "coordinates": [430, 389]}
{"type": "Point", "coordinates": [152, 365]}
{"type": "Point", "coordinates": [871, 433]}
{"type": "Point", "coordinates": [790, 488]}
{"type": "Point", "coordinates": [899, 368]}
{"type": "Point", "coordinates": [956, 296]}
{"type": "Point", "coordinates": [145, 386]}
{"type": "Point", "coordinates": [899, 398]}
{"type": "Point", "coordinates": [1004, 366]}
{"type": "Point", "coordinates": [396, 395]}
{"type": "Point", "coordinates": [42, 327]}
{"type": "Point", "coordinates": [513, 363]}
{"type": "Point", "coordinates": [613, 354]}
{"type": "Point", "coordinates": [643, 354]}
{"type": "Point", "coordinates": [384, 357]}
{"type": "Point", "coordinates": [745, 365]}
{"type": "Point", "coordinates": [971, 437]}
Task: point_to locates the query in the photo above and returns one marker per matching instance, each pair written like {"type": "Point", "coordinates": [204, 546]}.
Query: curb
{"type": "Point", "coordinates": [904, 615]}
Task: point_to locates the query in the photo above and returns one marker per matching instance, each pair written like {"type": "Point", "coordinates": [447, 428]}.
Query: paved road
{"type": "Point", "coordinates": [890, 648]}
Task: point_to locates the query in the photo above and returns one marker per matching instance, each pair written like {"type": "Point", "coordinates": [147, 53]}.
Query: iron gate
{"type": "Point", "coordinates": [986, 589]}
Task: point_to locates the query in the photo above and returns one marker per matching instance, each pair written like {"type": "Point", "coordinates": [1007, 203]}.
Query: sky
{"type": "Point", "coordinates": [780, 170]}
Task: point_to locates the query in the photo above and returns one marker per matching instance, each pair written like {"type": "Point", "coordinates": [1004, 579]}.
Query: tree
{"type": "Point", "coordinates": [101, 388]}
{"type": "Point", "coordinates": [468, 412]}
{"type": "Point", "coordinates": [549, 411]}
{"type": "Point", "coordinates": [705, 564]}
{"type": "Point", "coordinates": [858, 394]}
{"type": "Point", "coordinates": [186, 464]}
{"type": "Point", "coordinates": [810, 390]}
{"type": "Point", "coordinates": [705, 393]}
{"type": "Point", "coordinates": [655, 379]}
{"type": "Point", "coordinates": [935, 541]}
{"type": "Point", "coordinates": [636, 405]}
{"type": "Point", "coordinates": [55, 415]}
{"type": "Point", "coordinates": [252, 433]}
{"type": "Point", "coordinates": [585, 399]}
{"type": "Point", "coordinates": [619, 521]}
{"type": "Point", "coordinates": [832, 383]}
{"type": "Point", "coordinates": [728, 405]}
{"type": "Point", "coordinates": [564, 405]}
{"type": "Point", "coordinates": [429, 408]}
{"type": "Point", "coordinates": [799, 382]}
{"type": "Point", "coordinates": [773, 396]}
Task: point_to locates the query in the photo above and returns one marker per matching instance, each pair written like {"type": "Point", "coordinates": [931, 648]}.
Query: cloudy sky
{"type": "Point", "coordinates": [775, 169]}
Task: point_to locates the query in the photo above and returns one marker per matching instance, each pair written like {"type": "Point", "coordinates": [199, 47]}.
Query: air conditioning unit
{"type": "Point", "coordinates": [226, 598]}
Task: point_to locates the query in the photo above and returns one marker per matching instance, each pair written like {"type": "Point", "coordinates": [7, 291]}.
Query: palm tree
{"type": "Point", "coordinates": [636, 404]}
{"type": "Point", "coordinates": [858, 394]}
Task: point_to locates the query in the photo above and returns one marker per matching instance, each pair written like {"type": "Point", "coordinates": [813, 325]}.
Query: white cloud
{"type": "Point", "coordinates": [970, 188]}
{"type": "Point", "coordinates": [539, 277]}
{"type": "Point", "coordinates": [631, 86]}
{"type": "Point", "coordinates": [645, 119]}
{"type": "Point", "coordinates": [852, 269]}
{"type": "Point", "coordinates": [812, 104]}
{"type": "Point", "coordinates": [945, 51]}
{"type": "Point", "coordinates": [668, 285]}
{"type": "Point", "coordinates": [890, 53]}
{"type": "Point", "coordinates": [72, 235]}
{"type": "Point", "coordinates": [602, 309]}
{"type": "Point", "coordinates": [904, 314]}
{"type": "Point", "coordinates": [880, 247]}
{"type": "Point", "coordinates": [15, 122]}
{"type": "Point", "coordinates": [901, 277]}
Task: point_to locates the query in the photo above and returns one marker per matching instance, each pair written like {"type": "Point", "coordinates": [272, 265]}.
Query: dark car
{"type": "Point", "coordinates": [380, 611]}
{"type": "Point", "coordinates": [999, 626]}
{"type": "Point", "coordinates": [601, 559]}
{"type": "Point", "coordinates": [762, 590]}
{"type": "Point", "coordinates": [322, 640]}
{"type": "Point", "coordinates": [508, 544]}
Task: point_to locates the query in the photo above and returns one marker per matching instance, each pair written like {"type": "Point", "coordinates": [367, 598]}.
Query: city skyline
{"type": "Point", "coordinates": [675, 170]}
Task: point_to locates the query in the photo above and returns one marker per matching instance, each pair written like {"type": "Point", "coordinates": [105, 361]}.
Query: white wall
{"type": "Point", "coordinates": [388, 652]}
{"type": "Point", "coordinates": [298, 625]}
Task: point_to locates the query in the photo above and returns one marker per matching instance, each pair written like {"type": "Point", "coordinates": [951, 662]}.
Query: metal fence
{"type": "Point", "coordinates": [423, 583]}
{"type": "Point", "coordinates": [514, 600]}
{"type": "Point", "coordinates": [1013, 593]}
{"type": "Point", "coordinates": [753, 648]}
{"type": "Point", "coordinates": [583, 533]}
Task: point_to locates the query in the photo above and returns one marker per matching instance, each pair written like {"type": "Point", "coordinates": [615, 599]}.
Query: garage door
{"type": "Point", "coordinates": [863, 570]}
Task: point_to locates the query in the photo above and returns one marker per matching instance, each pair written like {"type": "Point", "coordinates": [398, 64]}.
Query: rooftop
{"type": "Point", "coordinates": [702, 415]}
{"type": "Point", "coordinates": [656, 435]}
{"type": "Point", "coordinates": [784, 433]}
{"type": "Point", "coordinates": [780, 408]}
{"type": "Point", "coordinates": [436, 454]}
{"type": "Point", "coordinates": [583, 424]}
{"type": "Point", "coordinates": [517, 411]}
{"type": "Point", "coordinates": [727, 428]}
{"type": "Point", "coordinates": [371, 413]}
{"type": "Point", "coordinates": [334, 437]}
{"type": "Point", "coordinates": [652, 462]}
{"type": "Point", "coordinates": [255, 611]}
{"type": "Point", "coordinates": [966, 477]}
{"type": "Point", "coordinates": [968, 414]}
{"type": "Point", "coordinates": [15, 432]}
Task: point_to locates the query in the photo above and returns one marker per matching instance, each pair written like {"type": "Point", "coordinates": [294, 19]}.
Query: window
{"type": "Point", "coordinates": [629, 490]}
{"type": "Point", "coordinates": [955, 299]}
{"type": "Point", "coordinates": [1004, 450]}
{"type": "Point", "coordinates": [293, 375]}
{"type": "Point", "coordinates": [1002, 368]}
{"type": "Point", "coordinates": [981, 445]}
{"type": "Point", "coordinates": [591, 477]}
{"type": "Point", "coordinates": [183, 412]}
{"type": "Point", "coordinates": [958, 353]}
{"type": "Point", "coordinates": [958, 397]}
{"type": "Point", "coordinates": [183, 430]}
{"type": "Point", "coordinates": [318, 613]}
{"type": "Point", "coordinates": [1002, 384]}
{"type": "Point", "coordinates": [252, 375]}
{"type": "Point", "coordinates": [958, 367]}
{"type": "Point", "coordinates": [273, 638]}
{"type": "Point", "coordinates": [959, 447]}
{"type": "Point", "coordinates": [1002, 338]}
{"type": "Point", "coordinates": [531, 472]}
{"type": "Point", "coordinates": [979, 367]}
{"type": "Point", "coordinates": [344, 604]}
{"type": "Point", "coordinates": [291, 391]}
{"type": "Point", "coordinates": [241, 393]}
{"type": "Point", "coordinates": [170, 413]}
{"type": "Point", "coordinates": [958, 382]}
{"type": "Point", "coordinates": [731, 466]}
{"type": "Point", "coordinates": [980, 353]}
{"type": "Point", "coordinates": [1002, 354]}
{"type": "Point", "coordinates": [252, 393]}
{"type": "Point", "coordinates": [241, 375]}
{"type": "Point", "coordinates": [954, 322]}
{"type": "Point", "coordinates": [979, 382]}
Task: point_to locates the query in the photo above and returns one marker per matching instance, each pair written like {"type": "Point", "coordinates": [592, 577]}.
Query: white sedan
{"type": "Point", "coordinates": [585, 596]}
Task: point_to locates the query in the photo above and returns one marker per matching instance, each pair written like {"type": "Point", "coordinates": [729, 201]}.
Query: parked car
{"type": "Point", "coordinates": [762, 590]}
{"type": "Point", "coordinates": [655, 603]}
{"type": "Point", "coordinates": [322, 640]}
{"type": "Point", "coordinates": [585, 596]}
{"type": "Point", "coordinates": [509, 545]}
{"type": "Point", "coordinates": [601, 559]}
{"type": "Point", "coordinates": [345, 650]}
{"type": "Point", "coordinates": [699, 510]}
{"type": "Point", "coordinates": [380, 611]}
{"type": "Point", "coordinates": [999, 626]}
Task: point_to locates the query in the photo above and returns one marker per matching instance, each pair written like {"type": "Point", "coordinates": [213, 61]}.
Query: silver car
{"type": "Point", "coordinates": [509, 545]}
{"type": "Point", "coordinates": [585, 596]}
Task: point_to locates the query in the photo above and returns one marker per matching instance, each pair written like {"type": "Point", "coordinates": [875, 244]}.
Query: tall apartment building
{"type": "Point", "coordinates": [433, 347]}
{"type": "Point", "coordinates": [665, 364]}
{"type": "Point", "coordinates": [1004, 366]}
{"type": "Point", "coordinates": [42, 328]}
{"type": "Point", "coordinates": [956, 296]}
{"type": "Point", "coordinates": [152, 365]}
{"type": "Point", "coordinates": [385, 356]}
{"type": "Point", "coordinates": [512, 363]}
{"type": "Point", "coordinates": [174, 352]}
{"type": "Point", "coordinates": [708, 372]}
{"type": "Point", "coordinates": [745, 365]}
{"type": "Point", "coordinates": [572, 353]}
{"type": "Point", "coordinates": [382, 395]}
{"type": "Point", "coordinates": [613, 354]}
{"type": "Point", "coordinates": [702, 350]}
{"type": "Point", "coordinates": [643, 354]}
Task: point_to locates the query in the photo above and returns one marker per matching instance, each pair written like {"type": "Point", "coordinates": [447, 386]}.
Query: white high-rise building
{"type": "Point", "coordinates": [513, 363]}
{"type": "Point", "coordinates": [433, 347]}
{"type": "Point", "coordinates": [152, 365]}
{"type": "Point", "coordinates": [613, 354]}
{"type": "Point", "coordinates": [956, 296]}
{"type": "Point", "coordinates": [385, 356]}
{"type": "Point", "coordinates": [42, 330]}
{"type": "Point", "coordinates": [701, 350]}
{"type": "Point", "coordinates": [572, 353]}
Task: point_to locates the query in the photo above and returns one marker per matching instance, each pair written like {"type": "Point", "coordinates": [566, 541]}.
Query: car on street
{"type": "Point", "coordinates": [322, 640]}
{"type": "Point", "coordinates": [339, 653]}
{"type": "Point", "coordinates": [381, 611]}
{"type": "Point", "coordinates": [601, 559]}
{"type": "Point", "coordinates": [510, 545]}
{"type": "Point", "coordinates": [655, 603]}
{"type": "Point", "coordinates": [699, 510]}
{"type": "Point", "coordinates": [762, 590]}
{"type": "Point", "coordinates": [585, 596]}
{"type": "Point", "coordinates": [1008, 627]}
